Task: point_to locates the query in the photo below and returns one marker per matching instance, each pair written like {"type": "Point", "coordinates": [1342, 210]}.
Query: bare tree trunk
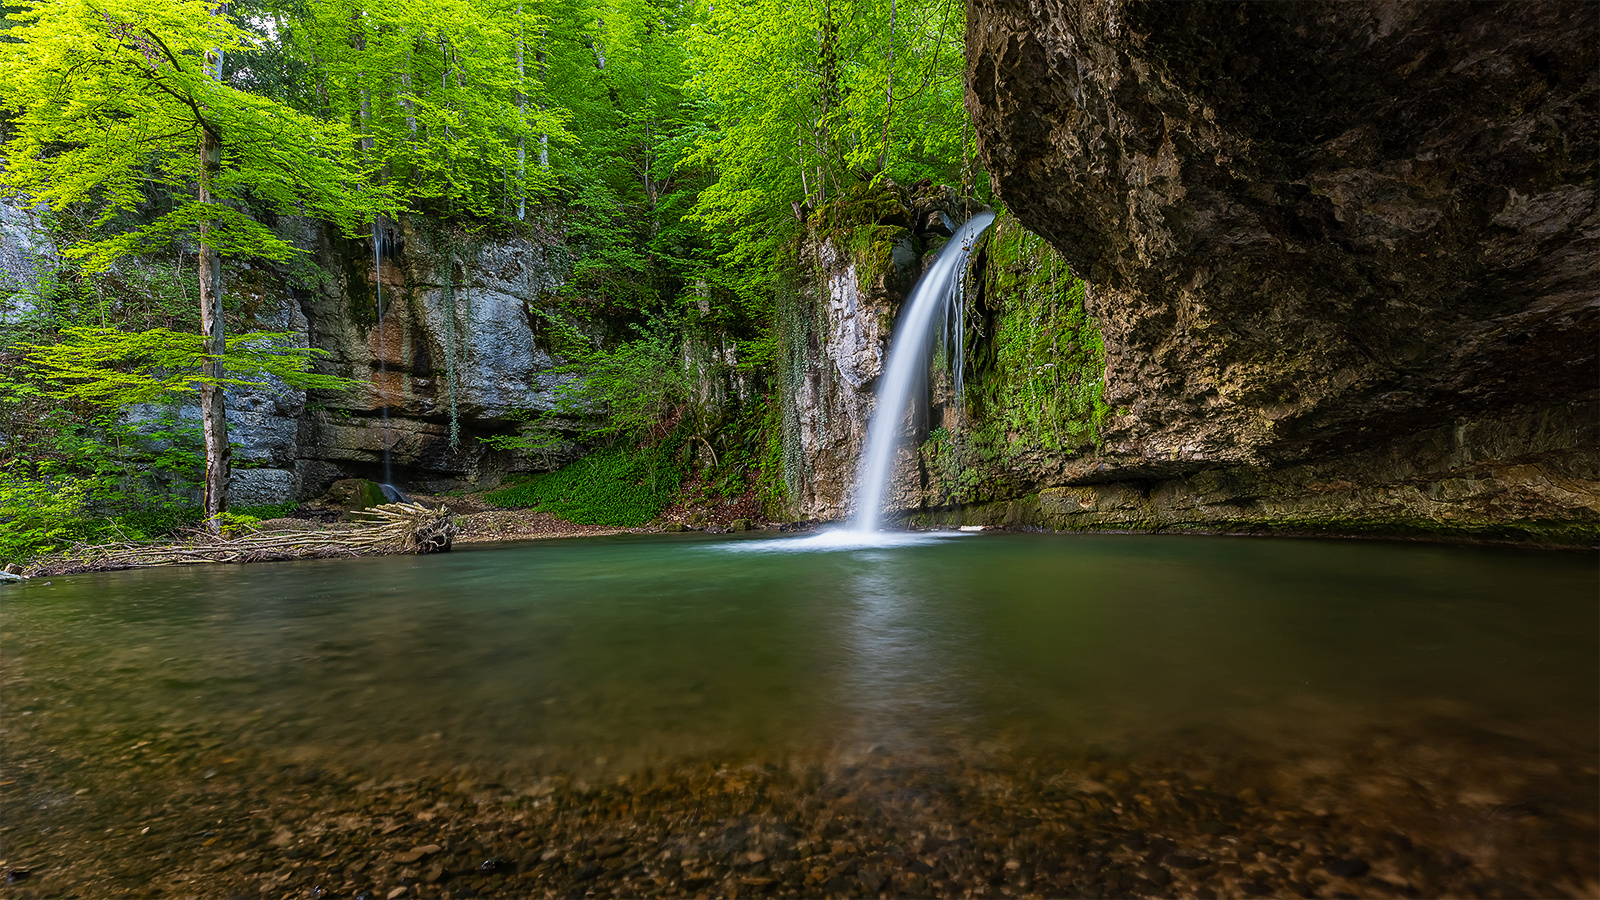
{"type": "Point", "coordinates": [522, 114]}
{"type": "Point", "coordinates": [888, 110]}
{"type": "Point", "coordinates": [828, 97]}
{"type": "Point", "coordinates": [213, 410]}
{"type": "Point", "coordinates": [410, 104]}
{"type": "Point", "coordinates": [544, 136]}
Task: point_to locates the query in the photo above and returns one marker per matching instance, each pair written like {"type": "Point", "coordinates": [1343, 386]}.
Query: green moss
{"type": "Point", "coordinates": [1043, 372]}
{"type": "Point", "coordinates": [770, 466]}
{"type": "Point", "coordinates": [268, 510]}
{"type": "Point", "coordinates": [866, 222]}
{"type": "Point", "coordinates": [1026, 512]}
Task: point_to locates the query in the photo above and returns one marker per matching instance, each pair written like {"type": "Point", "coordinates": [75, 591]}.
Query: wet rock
{"type": "Point", "coordinates": [498, 864]}
{"type": "Point", "coordinates": [1156, 875]}
{"type": "Point", "coordinates": [355, 494]}
{"type": "Point", "coordinates": [1340, 867]}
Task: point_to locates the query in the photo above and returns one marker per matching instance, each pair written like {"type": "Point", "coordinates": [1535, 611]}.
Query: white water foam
{"type": "Point", "coordinates": [841, 539]}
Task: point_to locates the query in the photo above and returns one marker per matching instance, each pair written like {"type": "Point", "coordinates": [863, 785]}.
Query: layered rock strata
{"type": "Point", "coordinates": [443, 336]}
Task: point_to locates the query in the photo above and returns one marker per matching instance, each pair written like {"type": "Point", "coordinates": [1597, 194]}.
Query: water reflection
{"type": "Point", "coordinates": [563, 652]}
{"type": "Point", "coordinates": [1366, 690]}
{"type": "Point", "coordinates": [900, 676]}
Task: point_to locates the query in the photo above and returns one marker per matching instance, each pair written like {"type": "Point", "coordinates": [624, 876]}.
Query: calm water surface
{"type": "Point", "coordinates": [617, 652]}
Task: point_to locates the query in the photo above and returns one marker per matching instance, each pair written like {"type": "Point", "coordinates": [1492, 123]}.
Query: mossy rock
{"type": "Point", "coordinates": [355, 494]}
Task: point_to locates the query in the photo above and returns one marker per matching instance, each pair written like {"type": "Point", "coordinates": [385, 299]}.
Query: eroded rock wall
{"type": "Point", "coordinates": [453, 354]}
{"type": "Point", "coordinates": [1314, 232]}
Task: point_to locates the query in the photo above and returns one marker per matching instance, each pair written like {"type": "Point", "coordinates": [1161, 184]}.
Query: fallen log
{"type": "Point", "coordinates": [393, 528]}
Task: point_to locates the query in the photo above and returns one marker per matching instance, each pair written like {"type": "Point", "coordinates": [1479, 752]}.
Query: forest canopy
{"type": "Point", "coordinates": [676, 147]}
{"type": "Point", "coordinates": [675, 139]}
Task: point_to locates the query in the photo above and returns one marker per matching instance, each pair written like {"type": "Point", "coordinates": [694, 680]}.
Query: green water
{"type": "Point", "coordinates": [608, 654]}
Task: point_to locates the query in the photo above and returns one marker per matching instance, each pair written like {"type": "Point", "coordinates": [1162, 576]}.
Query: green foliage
{"type": "Point", "coordinates": [640, 385]}
{"type": "Point", "coordinates": [748, 454]}
{"type": "Point", "coordinates": [434, 91]}
{"type": "Point", "coordinates": [231, 524]}
{"type": "Point", "coordinates": [110, 367]}
{"type": "Point", "coordinates": [108, 101]}
{"type": "Point", "coordinates": [38, 516]}
{"type": "Point", "coordinates": [802, 102]}
{"type": "Point", "coordinates": [770, 469]}
{"type": "Point", "coordinates": [265, 511]}
{"type": "Point", "coordinates": [677, 150]}
{"type": "Point", "coordinates": [114, 492]}
{"type": "Point", "coordinates": [634, 391]}
{"type": "Point", "coordinates": [1045, 374]}
{"type": "Point", "coordinates": [618, 486]}
{"type": "Point", "coordinates": [621, 67]}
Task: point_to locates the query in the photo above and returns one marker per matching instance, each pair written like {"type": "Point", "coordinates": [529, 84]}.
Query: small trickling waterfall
{"type": "Point", "coordinates": [909, 352]}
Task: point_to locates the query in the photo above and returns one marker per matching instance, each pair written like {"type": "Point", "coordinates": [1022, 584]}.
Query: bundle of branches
{"type": "Point", "coordinates": [391, 528]}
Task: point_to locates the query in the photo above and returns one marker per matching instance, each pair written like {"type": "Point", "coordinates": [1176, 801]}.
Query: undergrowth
{"type": "Point", "coordinates": [619, 486]}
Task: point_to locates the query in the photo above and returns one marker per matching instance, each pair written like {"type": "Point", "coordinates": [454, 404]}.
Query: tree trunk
{"type": "Point", "coordinates": [544, 136]}
{"type": "Point", "coordinates": [522, 117]}
{"type": "Point", "coordinates": [888, 107]}
{"type": "Point", "coordinates": [213, 411]}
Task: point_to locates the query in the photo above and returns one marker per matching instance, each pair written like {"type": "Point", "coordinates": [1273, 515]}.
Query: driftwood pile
{"type": "Point", "coordinates": [388, 529]}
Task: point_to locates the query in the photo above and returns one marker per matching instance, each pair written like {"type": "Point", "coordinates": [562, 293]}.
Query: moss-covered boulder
{"type": "Point", "coordinates": [355, 494]}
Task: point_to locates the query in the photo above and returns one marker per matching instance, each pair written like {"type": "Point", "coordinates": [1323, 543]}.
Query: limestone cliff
{"type": "Point", "coordinates": [854, 269]}
{"type": "Point", "coordinates": [1355, 240]}
{"type": "Point", "coordinates": [453, 353]}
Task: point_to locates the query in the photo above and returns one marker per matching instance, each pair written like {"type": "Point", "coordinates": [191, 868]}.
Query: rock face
{"type": "Point", "coordinates": [835, 329]}
{"type": "Point", "coordinates": [1316, 232]}
{"type": "Point", "coordinates": [837, 353]}
{"type": "Point", "coordinates": [455, 342]}
{"type": "Point", "coordinates": [27, 254]}
{"type": "Point", "coordinates": [459, 352]}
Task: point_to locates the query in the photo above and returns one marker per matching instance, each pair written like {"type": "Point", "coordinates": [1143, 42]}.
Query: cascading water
{"type": "Point", "coordinates": [908, 361]}
{"type": "Point", "coordinates": [383, 245]}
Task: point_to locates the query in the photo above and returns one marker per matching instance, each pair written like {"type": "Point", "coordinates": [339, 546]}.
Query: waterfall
{"type": "Point", "coordinates": [939, 289]}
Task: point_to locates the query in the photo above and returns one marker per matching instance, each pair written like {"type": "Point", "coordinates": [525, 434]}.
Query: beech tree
{"type": "Point", "coordinates": [120, 107]}
{"type": "Point", "coordinates": [436, 91]}
{"type": "Point", "coordinates": [804, 99]}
